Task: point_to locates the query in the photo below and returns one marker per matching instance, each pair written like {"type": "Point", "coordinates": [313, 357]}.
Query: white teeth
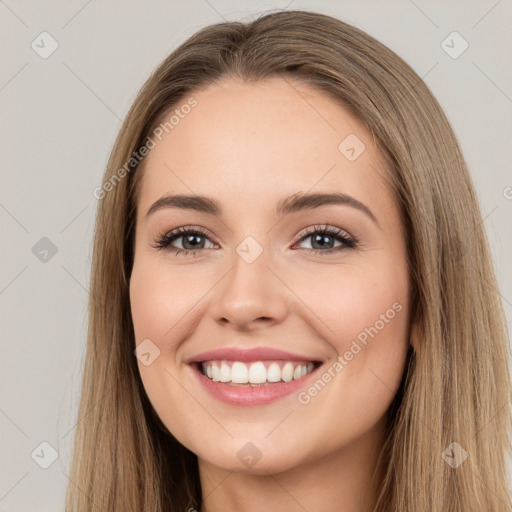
{"type": "Point", "coordinates": [239, 373]}
{"type": "Point", "coordinates": [287, 372]}
{"type": "Point", "coordinates": [225, 372]}
{"type": "Point", "coordinates": [255, 373]}
{"type": "Point", "coordinates": [274, 373]}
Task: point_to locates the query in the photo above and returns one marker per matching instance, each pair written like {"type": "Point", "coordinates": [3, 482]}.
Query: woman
{"type": "Point", "coordinates": [293, 301]}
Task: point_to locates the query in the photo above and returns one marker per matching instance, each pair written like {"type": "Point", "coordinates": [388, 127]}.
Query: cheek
{"type": "Point", "coordinates": [161, 300]}
{"type": "Point", "coordinates": [365, 314]}
{"type": "Point", "coordinates": [352, 301]}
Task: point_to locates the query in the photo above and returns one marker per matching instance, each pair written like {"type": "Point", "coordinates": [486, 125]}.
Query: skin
{"type": "Point", "coordinates": [249, 145]}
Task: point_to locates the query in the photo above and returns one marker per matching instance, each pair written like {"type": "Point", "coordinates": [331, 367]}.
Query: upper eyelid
{"type": "Point", "coordinates": [323, 227]}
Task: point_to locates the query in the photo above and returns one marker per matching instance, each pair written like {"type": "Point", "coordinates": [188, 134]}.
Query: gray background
{"type": "Point", "coordinates": [60, 118]}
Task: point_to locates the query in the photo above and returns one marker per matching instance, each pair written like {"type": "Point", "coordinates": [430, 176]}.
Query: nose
{"type": "Point", "coordinates": [250, 296]}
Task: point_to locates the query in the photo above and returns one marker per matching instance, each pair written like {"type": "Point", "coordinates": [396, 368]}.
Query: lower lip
{"type": "Point", "coordinates": [251, 395]}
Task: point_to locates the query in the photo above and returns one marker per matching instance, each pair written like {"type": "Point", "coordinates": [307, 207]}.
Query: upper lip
{"type": "Point", "coordinates": [248, 355]}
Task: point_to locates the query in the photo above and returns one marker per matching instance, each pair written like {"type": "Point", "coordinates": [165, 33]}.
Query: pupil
{"type": "Point", "coordinates": [321, 239]}
{"type": "Point", "coordinates": [190, 238]}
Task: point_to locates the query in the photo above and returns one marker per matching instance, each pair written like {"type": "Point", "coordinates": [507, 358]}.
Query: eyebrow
{"type": "Point", "coordinates": [291, 204]}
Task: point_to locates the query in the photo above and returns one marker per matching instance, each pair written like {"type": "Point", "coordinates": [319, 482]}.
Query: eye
{"type": "Point", "coordinates": [191, 240]}
{"type": "Point", "coordinates": [325, 236]}
{"type": "Point", "coordinates": [322, 238]}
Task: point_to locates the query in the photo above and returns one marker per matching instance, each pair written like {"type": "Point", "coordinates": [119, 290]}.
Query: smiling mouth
{"type": "Point", "coordinates": [257, 373]}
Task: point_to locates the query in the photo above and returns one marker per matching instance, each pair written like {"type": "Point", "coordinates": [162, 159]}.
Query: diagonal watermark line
{"type": "Point", "coordinates": [82, 491]}
{"type": "Point", "coordinates": [78, 282]}
{"type": "Point", "coordinates": [492, 81]}
{"type": "Point", "coordinates": [287, 492]}
{"type": "Point", "coordinates": [282, 421]}
{"type": "Point", "coordinates": [74, 218]}
{"type": "Point", "coordinates": [417, 417]}
{"type": "Point", "coordinates": [493, 287]}
{"type": "Point", "coordinates": [507, 505]}
{"type": "Point", "coordinates": [14, 485]}
{"type": "Point", "coordinates": [14, 218]}
{"type": "Point", "coordinates": [206, 1]}
{"type": "Point", "coordinates": [301, 300]}
{"type": "Point", "coordinates": [423, 77]}
{"type": "Point", "coordinates": [14, 76]}
{"type": "Point", "coordinates": [485, 15]}
{"type": "Point", "coordinates": [76, 424]}
{"type": "Point", "coordinates": [13, 423]}
{"type": "Point", "coordinates": [192, 307]}
{"type": "Point", "coordinates": [13, 279]}
{"type": "Point", "coordinates": [217, 486]}
{"type": "Point", "coordinates": [383, 383]}
{"type": "Point", "coordinates": [76, 14]}
{"type": "Point", "coordinates": [489, 214]}
{"type": "Point", "coordinates": [74, 279]}
{"type": "Point", "coordinates": [14, 14]}
{"type": "Point", "coordinates": [205, 409]}
{"type": "Point", "coordinates": [424, 14]}
{"type": "Point", "coordinates": [91, 90]}
{"type": "Point", "coordinates": [492, 419]}
{"type": "Point", "coordinates": [321, 178]}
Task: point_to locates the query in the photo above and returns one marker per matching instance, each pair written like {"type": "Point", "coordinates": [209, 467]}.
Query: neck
{"type": "Point", "coordinates": [344, 480]}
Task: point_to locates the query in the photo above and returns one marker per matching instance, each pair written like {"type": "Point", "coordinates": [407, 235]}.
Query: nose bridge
{"type": "Point", "coordinates": [250, 290]}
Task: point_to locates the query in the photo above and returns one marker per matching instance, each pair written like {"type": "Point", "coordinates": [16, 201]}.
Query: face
{"type": "Point", "coordinates": [305, 299]}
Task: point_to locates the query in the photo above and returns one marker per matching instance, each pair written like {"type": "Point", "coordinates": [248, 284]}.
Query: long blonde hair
{"type": "Point", "coordinates": [456, 387]}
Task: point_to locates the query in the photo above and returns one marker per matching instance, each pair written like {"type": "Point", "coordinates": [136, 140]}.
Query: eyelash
{"type": "Point", "coordinates": [348, 241]}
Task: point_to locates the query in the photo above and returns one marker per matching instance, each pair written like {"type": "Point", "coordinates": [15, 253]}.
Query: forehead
{"type": "Point", "coordinates": [261, 141]}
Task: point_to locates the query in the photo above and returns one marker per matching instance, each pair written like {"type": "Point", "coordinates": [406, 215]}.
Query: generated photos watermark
{"type": "Point", "coordinates": [305, 397]}
{"type": "Point", "coordinates": [150, 143]}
